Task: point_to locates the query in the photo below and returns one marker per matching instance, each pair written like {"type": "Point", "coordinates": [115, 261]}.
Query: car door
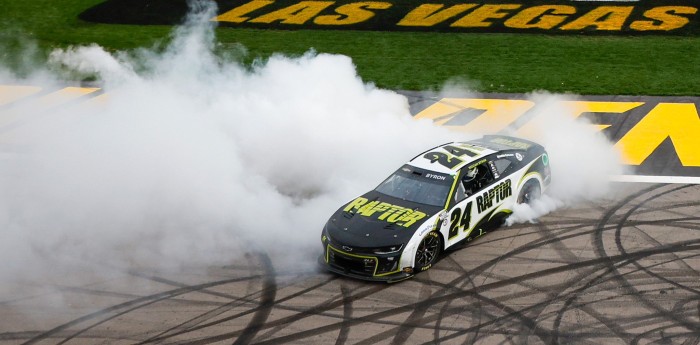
{"type": "Point", "coordinates": [496, 197]}
{"type": "Point", "coordinates": [457, 222]}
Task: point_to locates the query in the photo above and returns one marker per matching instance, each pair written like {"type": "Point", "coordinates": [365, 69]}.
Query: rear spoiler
{"type": "Point", "coordinates": [504, 142]}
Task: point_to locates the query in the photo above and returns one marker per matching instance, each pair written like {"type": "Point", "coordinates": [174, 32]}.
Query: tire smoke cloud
{"type": "Point", "coordinates": [192, 157]}
{"type": "Point", "coordinates": [582, 159]}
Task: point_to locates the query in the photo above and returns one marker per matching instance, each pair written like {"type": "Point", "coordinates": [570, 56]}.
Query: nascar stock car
{"type": "Point", "coordinates": [443, 197]}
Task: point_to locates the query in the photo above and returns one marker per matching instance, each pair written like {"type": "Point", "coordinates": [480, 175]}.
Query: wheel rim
{"type": "Point", "coordinates": [530, 193]}
{"type": "Point", "coordinates": [427, 250]}
{"type": "Point", "coordinates": [526, 197]}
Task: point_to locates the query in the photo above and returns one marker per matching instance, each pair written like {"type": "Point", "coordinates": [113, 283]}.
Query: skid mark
{"type": "Point", "coordinates": [625, 272]}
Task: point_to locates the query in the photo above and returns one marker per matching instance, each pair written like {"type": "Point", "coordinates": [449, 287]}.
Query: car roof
{"type": "Point", "coordinates": [476, 153]}
{"type": "Point", "coordinates": [476, 150]}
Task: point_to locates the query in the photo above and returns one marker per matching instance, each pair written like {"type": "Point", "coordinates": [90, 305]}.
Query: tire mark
{"type": "Point", "coordinates": [401, 331]}
{"type": "Point", "coordinates": [510, 306]}
{"type": "Point", "coordinates": [661, 312]}
{"type": "Point", "coordinates": [618, 242]}
{"type": "Point", "coordinates": [189, 325]}
{"type": "Point", "coordinates": [260, 313]}
{"type": "Point", "coordinates": [269, 333]}
{"type": "Point", "coordinates": [347, 315]}
{"type": "Point", "coordinates": [117, 310]}
{"type": "Point", "coordinates": [616, 329]}
{"type": "Point", "coordinates": [182, 290]}
{"type": "Point", "coordinates": [267, 302]}
{"type": "Point", "coordinates": [446, 287]}
{"type": "Point", "coordinates": [599, 228]}
{"type": "Point", "coordinates": [537, 307]}
{"type": "Point", "coordinates": [443, 311]}
{"type": "Point", "coordinates": [181, 285]}
{"type": "Point", "coordinates": [600, 250]}
{"type": "Point", "coordinates": [676, 246]}
{"type": "Point", "coordinates": [314, 310]}
{"type": "Point", "coordinates": [405, 330]}
{"type": "Point", "coordinates": [185, 326]}
{"type": "Point", "coordinates": [241, 314]}
{"type": "Point", "coordinates": [678, 260]}
{"type": "Point", "coordinates": [553, 242]}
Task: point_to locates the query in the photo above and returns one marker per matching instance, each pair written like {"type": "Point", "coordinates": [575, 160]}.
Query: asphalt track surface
{"type": "Point", "coordinates": [621, 271]}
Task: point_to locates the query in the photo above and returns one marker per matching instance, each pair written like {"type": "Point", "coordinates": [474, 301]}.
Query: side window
{"type": "Point", "coordinates": [460, 194]}
{"type": "Point", "coordinates": [505, 163]}
{"type": "Point", "coordinates": [475, 178]}
{"type": "Point", "coordinates": [502, 165]}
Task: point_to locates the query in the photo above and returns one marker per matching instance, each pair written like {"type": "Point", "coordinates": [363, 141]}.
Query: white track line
{"type": "Point", "coordinates": [656, 179]}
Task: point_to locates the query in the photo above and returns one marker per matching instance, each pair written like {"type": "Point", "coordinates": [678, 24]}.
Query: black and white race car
{"type": "Point", "coordinates": [448, 195]}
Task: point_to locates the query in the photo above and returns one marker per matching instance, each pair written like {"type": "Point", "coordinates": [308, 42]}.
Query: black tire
{"type": "Point", "coordinates": [428, 250]}
{"type": "Point", "coordinates": [530, 191]}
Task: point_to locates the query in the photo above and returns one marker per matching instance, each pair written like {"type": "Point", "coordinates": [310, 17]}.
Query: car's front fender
{"type": "Point", "coordinates": [409, 253]}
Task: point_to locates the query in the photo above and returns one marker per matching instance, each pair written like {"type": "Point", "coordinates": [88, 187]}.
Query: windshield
{"type": "Point", "coordinates": [417, 185]}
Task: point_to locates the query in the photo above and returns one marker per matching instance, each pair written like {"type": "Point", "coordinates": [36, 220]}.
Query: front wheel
{"type": "Point", "coordinates": [428, 250]}
{"type": "Point", "coordinates": [530, 191]}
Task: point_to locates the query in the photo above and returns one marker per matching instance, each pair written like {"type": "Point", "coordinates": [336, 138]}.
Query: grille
{"type": "Point", "coordinates": [351, 264]}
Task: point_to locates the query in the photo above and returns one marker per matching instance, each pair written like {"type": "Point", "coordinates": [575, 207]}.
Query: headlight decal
{"type": "Point", "coordinates": [388, 249]}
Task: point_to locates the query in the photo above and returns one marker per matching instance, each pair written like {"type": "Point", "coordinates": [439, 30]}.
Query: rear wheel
{"type": "Point", "coordinates": [530, 191]}
{"type": "Point", "coordinates": [428, 250]}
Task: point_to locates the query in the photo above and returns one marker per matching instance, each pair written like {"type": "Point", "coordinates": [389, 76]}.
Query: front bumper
{"type": "Point", "coordinates": [363, 266]}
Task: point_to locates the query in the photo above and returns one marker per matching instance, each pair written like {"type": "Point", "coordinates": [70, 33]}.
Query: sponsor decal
{"type": "Point", "coordinates": [519, 157]}
{"type": "Point", "coordinates": [512, 143]}
{"type": "Point", "coordinates": [528, 16]}
{"type": "Point", "coordinates": [494, 170]}
{"type": "Point", "coordinates": [383, 211]}
{"type": "Point", "coordinates": [427, 228]}
{"type": "Point", "coordinates": [493, 196]}
{"type": "Point", "coordinates": [506, 155]}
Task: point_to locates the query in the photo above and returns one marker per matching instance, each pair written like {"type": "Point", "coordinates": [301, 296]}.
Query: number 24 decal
{"type": "Point", "coordinates": [447, 161]}
{"type": "Point", "coordinates": [459, 220]}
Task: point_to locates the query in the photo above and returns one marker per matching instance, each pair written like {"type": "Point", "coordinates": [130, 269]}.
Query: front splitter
{"type": "Point", "coordinates": [390, 278]}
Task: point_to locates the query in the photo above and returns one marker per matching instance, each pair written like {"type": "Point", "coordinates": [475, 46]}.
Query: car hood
{"type": "Point", "coordinates": [377, 220]}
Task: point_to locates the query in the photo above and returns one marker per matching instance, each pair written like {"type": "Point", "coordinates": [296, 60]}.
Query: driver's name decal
{"type": "Point", "coordinates": [385, 211]}
{"type": "Point", "coordinates": [436, 177]}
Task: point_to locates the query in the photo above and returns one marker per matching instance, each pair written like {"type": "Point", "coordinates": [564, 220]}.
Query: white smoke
{"type": "Point", "coordinates": [582, 159]}
{"type": "Point", "coordinates": [192, 157]}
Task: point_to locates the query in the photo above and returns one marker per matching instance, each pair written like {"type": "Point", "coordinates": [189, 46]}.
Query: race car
{"type": "Point", "coordinates": [442, 198]}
